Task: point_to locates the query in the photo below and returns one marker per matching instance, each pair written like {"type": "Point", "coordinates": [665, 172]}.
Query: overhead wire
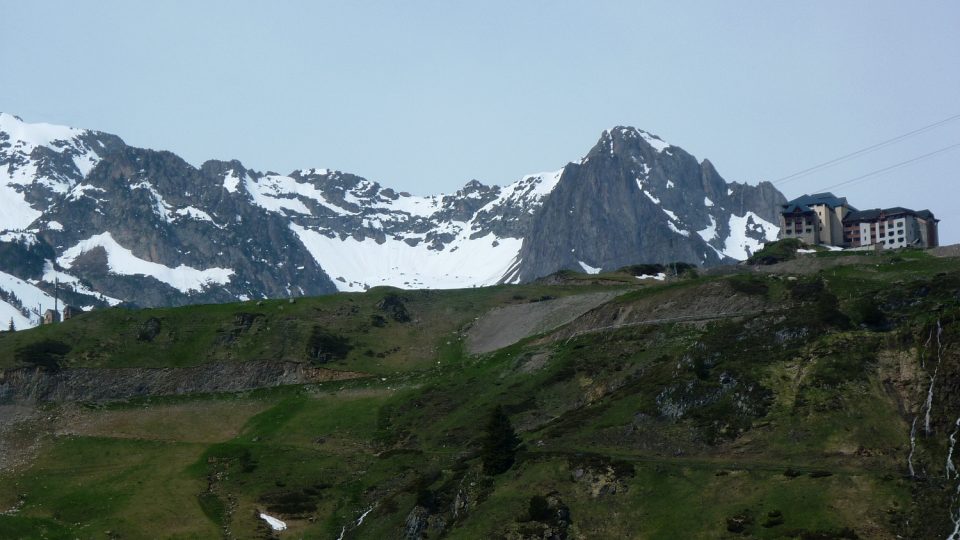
{"type": "Point", "coordinates": [862, 151]}
{"type": "Point", "coordinates": [890, 167]}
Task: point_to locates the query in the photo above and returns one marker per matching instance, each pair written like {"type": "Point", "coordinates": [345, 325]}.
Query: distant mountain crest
{"type": "Point", "coordinates": [114, 223]}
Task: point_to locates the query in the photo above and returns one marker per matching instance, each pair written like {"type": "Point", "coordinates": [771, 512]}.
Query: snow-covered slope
{"type": "Point", "coordinates": [39, 162]}
{"type": "Point", "coordinates": [113, 223]}
{"type": "Point", "coordinates": [21, 302]}
{"type": "Point", "coordinates": [122, 262]}
{"type": "Point", "coordinates": [364, 235]}
{"type": "Point", "coordinates": [748, 233]}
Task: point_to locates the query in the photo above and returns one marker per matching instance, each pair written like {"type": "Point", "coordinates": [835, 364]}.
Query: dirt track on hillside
{"type": "Point", "coordinates": [507, 325]}
{"type": "Point", "coordinates": [705, 302]}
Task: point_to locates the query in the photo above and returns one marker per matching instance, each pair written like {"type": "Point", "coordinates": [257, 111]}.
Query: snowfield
{"type": "Point", "coordinates": [740, 246]}
{"type": "Point", "coordinates": [123, 262]}
{"type": "Point", "coordinates": [589, 269]}
{"type": "Point", "coordinates": [274, 523]}
{"type": "Point", "coordinates": [32, 298]}
{"type": "Point", "coordinates": [358, 265]}
{"type": "Point", "coordinates": [21, 173]}
{"type": "Point", "coordinates": [408, 241]}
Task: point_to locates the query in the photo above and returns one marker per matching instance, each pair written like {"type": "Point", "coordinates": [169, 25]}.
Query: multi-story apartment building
{"type": "Point", "coordinates": [891, 228]}
{"type": "Point", "coordinates": [825, 219]}
{"type": "Point", "coordinates": [815, 219]}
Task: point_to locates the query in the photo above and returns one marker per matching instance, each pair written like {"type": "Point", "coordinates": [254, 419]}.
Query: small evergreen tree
{"type": "Point", "coordinates": [539, 509]}
{"type": "Point", "coordinates": [11, 327]}
{"type": "Point", "coordinates": [500, 443]}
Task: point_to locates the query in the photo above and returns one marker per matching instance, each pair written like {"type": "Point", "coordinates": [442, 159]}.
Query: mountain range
{"type": "Point", "coordinates": [105, 223]}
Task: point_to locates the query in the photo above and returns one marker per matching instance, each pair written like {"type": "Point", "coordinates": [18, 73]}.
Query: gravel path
{"type": "Point", "coordinates": [507, 325]}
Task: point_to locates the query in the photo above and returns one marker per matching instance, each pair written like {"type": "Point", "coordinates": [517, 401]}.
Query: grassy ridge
{"type": "Point", "coordinates": [278, 330]}
{"type": "Point", "coordinates": [794, 424]}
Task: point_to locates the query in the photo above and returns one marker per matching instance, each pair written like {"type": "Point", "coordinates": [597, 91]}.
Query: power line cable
{"type": "Point", "coordinates": [851, 155]}
{"type": "Point", "coordinates": [889, 168]}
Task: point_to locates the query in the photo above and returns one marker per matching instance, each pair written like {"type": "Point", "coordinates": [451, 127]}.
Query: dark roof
{"type": "Point", "coordinates": [827, 198]}
{"type": "Point", "coordinates": [794, 208]}
{"type": "Point", "coordinates": [869, 215]}
{"type": "Point", "coordinates": [862, 215]}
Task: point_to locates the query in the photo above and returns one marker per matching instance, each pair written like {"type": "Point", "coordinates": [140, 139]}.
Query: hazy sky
{"type": "Point", "coordinates": [424, 96]}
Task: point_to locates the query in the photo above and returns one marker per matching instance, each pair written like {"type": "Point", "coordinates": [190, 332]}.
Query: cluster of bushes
{"type": "Point", "coordinates": [826, 307]}
{"type": "Point", "coordinates": [749, 284]}
{"type": "Point", "coordinates": [47, 354]}
{"type": "Point", "coordinates": [324, 346]}
{"type": "Point", "coordinates": [395, 307]}
{"type": "Point", "coordinates": [776, 252]}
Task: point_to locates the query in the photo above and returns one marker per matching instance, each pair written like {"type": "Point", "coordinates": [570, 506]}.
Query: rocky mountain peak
{"type": "Point", "coordinates": [629, 143]}
{"type": "Point", "coordinates": [114, 223]}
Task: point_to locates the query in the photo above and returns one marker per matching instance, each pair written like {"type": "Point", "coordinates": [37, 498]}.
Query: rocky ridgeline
{"type": "Point", "coordinates": [113, 223]}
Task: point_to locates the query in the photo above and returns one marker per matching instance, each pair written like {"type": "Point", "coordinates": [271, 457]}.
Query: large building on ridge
{"type": "Point", "coordinates": [815, 219]}
{"type": "Point", "coordinates": [825, 219]}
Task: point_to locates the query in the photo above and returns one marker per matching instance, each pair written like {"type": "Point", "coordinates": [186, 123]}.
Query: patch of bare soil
{"type": "Point", "coordinates": [711, 300]}
{"type": "Point", "coordinates": [23, 429]}
{"type": "Point", "coordinates": [507, 325]}
{"type": "Point", "coordinates": [952, 250]}
{"type": "Point", "coordinates": [809, 264]}
{"type": "Point", "coordinates": [198, 421]}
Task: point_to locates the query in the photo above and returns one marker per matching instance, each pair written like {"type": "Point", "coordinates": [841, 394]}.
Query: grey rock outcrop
{"type": "Point", "coordinates": [634, 198]}
{"type": "Point", "coordinates": [114, 223]}
{"type": "Point", "coordinates": [35, 385]}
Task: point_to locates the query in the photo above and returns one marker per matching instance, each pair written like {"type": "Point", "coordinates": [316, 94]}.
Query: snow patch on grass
{"type": "Point", "coordinates": [589, 269]}
{"type": "Point", "coordinates": [274, 523]}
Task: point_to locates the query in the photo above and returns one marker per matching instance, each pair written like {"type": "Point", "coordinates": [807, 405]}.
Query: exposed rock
{"type": "Point", "coordinates": [600, 476]}
{"type": "Point", "coordinates": [627, 198]}
{"type": "Point", "coordinates": [633, 198]}
{"type": "Point", "coordinates": [416, 524]}
{"type": "Point", "coordinates": [97, 384]}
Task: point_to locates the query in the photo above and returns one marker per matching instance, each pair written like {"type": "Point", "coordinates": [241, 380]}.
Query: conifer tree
{"type": "Point", "coordinates": [500, 443]}
{"type": "Point", "coordinates": [11, 327]}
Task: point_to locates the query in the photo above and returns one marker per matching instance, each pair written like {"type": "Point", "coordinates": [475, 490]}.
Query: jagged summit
{"type": "Point", "coordinates": [620, 138]}
{"type": "Point", "coordinates": [117, 223]}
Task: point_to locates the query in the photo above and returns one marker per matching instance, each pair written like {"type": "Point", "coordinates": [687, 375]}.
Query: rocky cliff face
{"type": "Point", "coordinates": [112, 223]}
{"type": "Point", "coordinates": [635, 194]}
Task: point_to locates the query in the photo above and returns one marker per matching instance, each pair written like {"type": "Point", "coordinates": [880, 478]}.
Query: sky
{"type": "Point", "coordinates": [425, 96]}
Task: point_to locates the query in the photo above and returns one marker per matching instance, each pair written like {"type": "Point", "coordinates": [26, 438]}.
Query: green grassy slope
{"type": "Point", "coordinates": [794, 422]}
{"type": "Point", "coordinates": [278, 330]}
